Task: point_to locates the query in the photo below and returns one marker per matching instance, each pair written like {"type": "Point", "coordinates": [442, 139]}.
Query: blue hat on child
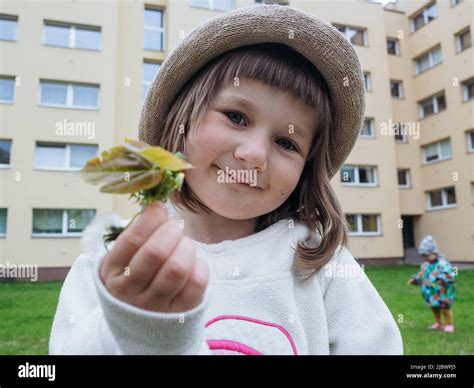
{"type": "Point", "coordinates": [428, 245]}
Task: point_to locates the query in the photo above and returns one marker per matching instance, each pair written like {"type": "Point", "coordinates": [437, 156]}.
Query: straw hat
{"type": "Point", "coordinates": [319, 42]}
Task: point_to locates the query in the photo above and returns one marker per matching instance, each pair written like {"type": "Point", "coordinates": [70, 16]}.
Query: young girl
{"type": "Point", "coordinates": [249, 258]}
{"type": "Point", "coordinates": [436, 278]}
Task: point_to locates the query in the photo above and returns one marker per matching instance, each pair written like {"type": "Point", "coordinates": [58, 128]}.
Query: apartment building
{"type": "Point", "coordinates": [73, 76]}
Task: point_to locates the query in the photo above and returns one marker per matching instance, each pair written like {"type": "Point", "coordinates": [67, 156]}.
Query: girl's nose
{"type": "Point", "coordinates": [253, 153]}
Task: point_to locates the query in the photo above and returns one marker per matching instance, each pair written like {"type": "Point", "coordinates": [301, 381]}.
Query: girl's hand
{"type": "Point", "coordinates": [154, 266]}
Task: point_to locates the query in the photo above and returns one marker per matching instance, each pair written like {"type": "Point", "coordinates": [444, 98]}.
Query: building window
{"type": "Point", "coordinates": [5, 151]}
{"type": "Point", "coordinates": [358, 175]}
{"type": "Point", "coordinates": [367, 81]}
{"type": "Point", "coordinates": [8, 26]}
{"type": "Point", "coordinates": [442, 198]}
{"type": "Point", "coordinates": [364, 224]}
{"type": "Point", "coordinates": [217, 5]}
{"type": "Point", "coordinates": [428, 60]}
{"type": "Point", "coordinates": [432, 105]}
{"type": "Point", "coordinates": [69, 95]}
{"type": "Point", "coordinates": [468, 89]}
{"type": "Point", "coordinates": [61, 222]}
{"type": "Point", "coordinates": [3, 222]}
{"type": "Point", "coordinates": [470, 141]}
{"type": "Point", "coordinates": [149, 71]}
{"type": "Point", "coordinates": [404, 181]}
{"type": "Point", "coordinates": [396, 89]}
{"type": "Point", "coordinates": [463, 40]}
{"type": "Point", "coordinates": [400, 132]}
{"type": "Point", "coordinates": [63, 157]}
{"type": "Point", "coordinates": [367, 131]}
{"type": "Point", "coordinates": [425, 16]}
{"type": "Point", "coordinates": [355, 35]}
{"type": "Point", "coordinates": [71, 36]}
{"type": "Point", "coordinates": [7, 89]}
{"type": "Point", "coordinates": [393, 46]}
{"type": "Point", "coordinates": [153, 36]}
{"type": "Point", "coordinates": [272, 2]}
{"type": "Point", "coordinates": [434, 152]}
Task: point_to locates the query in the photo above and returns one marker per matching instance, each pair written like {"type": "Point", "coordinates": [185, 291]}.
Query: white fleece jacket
{"type": "Point", "coordinates": [255, 304]}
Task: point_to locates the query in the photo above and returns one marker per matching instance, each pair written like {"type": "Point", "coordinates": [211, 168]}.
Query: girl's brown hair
{"type": "Point", "coordinates": [313, 202]}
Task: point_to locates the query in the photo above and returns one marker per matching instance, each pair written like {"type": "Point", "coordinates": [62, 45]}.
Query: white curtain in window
{"type": "Point", "coordinates": [57, 35]}
{"type": "Point", "coordinates": [436, 56]}
{"type": "Point", "coordinates": [47, 221]}
{"type": "Point", "coordinates": [87, 39]}
{"type": "Point", "coordinates": [431, 152]}
{"type": "Point", "coordinates": [78, 219]}
{"type": "Point", "coordinates": [80, 154]}
{"type": "Point", "coordinates": [7, 87]}
{"type": "Point", "coordinates": [53, 93]}
{"type": "Point", "coordinates": [50, 156]}
{"type": "Point", "coordinates": [8, 29]}
{"type": "Point", "coordinates": [85, 96]}
{"type": "Point", "coordinates": [445, 148]}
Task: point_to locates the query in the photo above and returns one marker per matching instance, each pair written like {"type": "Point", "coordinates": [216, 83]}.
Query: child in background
{"type": "Point", "coordinates": [436, 278]}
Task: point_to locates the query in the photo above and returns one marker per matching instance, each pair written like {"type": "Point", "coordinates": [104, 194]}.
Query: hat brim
{"type": "Point", "coordinates": [325, 47]}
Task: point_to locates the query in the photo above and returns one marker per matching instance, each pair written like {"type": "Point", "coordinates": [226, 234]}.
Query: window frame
{"type": "Point", "coordinates": [67, 156]}
{"type": "Point", "coordinates": [465, 89]}
{"type": "Point", "coordinates": [11, 78]}
{"type": "Point", "coordinates": [428, 54]}
{"type": "Point", "coordinates": [457, 37]}
{"type": "Point", "coordinates": [69, 95]}
{"type": "Point", "coordinates": [13, 18]}
{"type": "Point", "coordinates": [65, 220]}
{"type": "Point", "coordinates": [357, 182]}
{"type": "Point", "coordinates": [9, 165]}
{"type": "Point", "coordinates": [3, 235]}
{"type": "Point", "coordinates": [401, 95]}
{"type": "Point", "coordinates": [438, 147]}
{"type": "Point", "coordinates": [470, 140]}
{"type": "Point", "coordinates": [407, 178]}
{"type": "Point", "coordinates": [161, 29]}
{"type": "Point", "coordinates": [211, 7]}
{"type": "Point", "coordinates": [368, 81]}
{"type": "Point", "coordinates": [144, 82]}
{"type": "Point", "coordinates": [360, 232]}
{"type": "Point", "coordinates": [434, 101]}
{"type": "Point", "coordinates": [72, 32]}
{"type": "Point", "coordinates": [397, 46]}
{"type": "Point", "coordinates": [444, 201]}
{"type": "Point", "coordinates": [424, 13]}
{"type": "Point", "coordinates": [371, 124]}
{"type": "Point", "coordinates": [347, 27]}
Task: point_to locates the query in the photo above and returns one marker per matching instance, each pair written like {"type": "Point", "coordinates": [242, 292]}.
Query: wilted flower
{"type": "Point", "coordinates": [147, 173]}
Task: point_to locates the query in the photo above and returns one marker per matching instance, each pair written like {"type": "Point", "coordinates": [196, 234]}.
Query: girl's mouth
{"type": "Point", "coordinates": [232, 180]}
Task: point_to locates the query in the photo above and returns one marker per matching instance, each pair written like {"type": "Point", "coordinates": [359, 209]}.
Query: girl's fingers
{"type": "Point", "coordinates": [131, 240]}
{"type": "Point", "coordinates": [152, 256]}
{"type": "Point", "coordinates": [174, 273]}
{"type": "Point", "coordinates": [192, 293]}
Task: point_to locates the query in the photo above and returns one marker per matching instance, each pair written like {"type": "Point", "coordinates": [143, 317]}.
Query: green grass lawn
{"type": "Point", "coordinates": [414, 316]}
{"type": "Point", "coordinates": [27, 310]}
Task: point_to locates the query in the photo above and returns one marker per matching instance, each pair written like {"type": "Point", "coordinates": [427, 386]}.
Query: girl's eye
{"type": "Point", "coordinates": [286, 143]}
{"type": "Point", "coordinates": [235, 117]}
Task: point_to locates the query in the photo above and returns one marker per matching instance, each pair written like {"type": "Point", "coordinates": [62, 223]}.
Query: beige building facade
{"type": "Point", "coordinates": [73, 75]}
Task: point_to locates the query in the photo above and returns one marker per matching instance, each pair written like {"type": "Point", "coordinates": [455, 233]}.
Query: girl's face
{"type": "Point", "coordinates": [255, 133]}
